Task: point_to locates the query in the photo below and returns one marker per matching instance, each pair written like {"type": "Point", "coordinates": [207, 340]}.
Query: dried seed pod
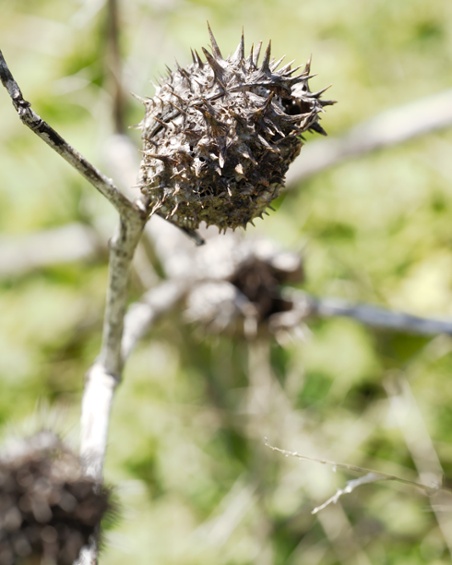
{"type": "Point", "coordinates": [244, 295]}
{"type": "Point", "coordinates": [48, 508]}
{"type": "Point", "coordinates": [219, 136]}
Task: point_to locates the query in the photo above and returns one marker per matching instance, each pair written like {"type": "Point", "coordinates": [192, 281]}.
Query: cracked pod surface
{"type": "Point", "coordinates": [220, 134]}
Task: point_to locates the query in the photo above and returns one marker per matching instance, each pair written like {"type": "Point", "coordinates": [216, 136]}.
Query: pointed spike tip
{"type": "Point", "coordinates": [276, 64]}
{"type": "Point", "coordinates": [319, 93]}
{"type": "Point", "coordinates": [198, 59]}
{"type": "Point", "coordinates": [327, 102]}
{"type": "Point", "coordinates": [257, 53]}
{"type": "Point", "coordinates": [239, 54]}
{"type": "Point", "coordinates": [318, 128]}
{"type": "Point", "coordinates": [266, 62]}
{"type": "Point", "coordinates": [213, 42]}
{"type": "Point", "coordinates": [214, 65]}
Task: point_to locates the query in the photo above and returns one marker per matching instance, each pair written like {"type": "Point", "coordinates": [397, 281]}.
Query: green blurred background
{"type": "Point", "coordinates": [197, 486]}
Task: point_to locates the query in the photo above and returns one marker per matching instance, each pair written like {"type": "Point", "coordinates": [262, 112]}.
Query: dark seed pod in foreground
{"type": "Point", "coordinates": [219, 136]}
{"type": "Point", "coordinates": [48, 509]}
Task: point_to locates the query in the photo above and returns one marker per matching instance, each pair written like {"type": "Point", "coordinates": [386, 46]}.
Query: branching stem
{"type": "Point", "coordinates": [105, 374]}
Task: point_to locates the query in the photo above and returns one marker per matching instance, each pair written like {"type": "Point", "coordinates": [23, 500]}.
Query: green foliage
{"type": "Point", "coordinates": [196, 483]}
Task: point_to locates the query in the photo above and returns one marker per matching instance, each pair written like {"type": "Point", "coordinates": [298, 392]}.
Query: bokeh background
{"type": "Point", "coordinates": [186, 451]}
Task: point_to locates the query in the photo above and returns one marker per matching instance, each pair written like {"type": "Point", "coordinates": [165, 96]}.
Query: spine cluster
{"type": "Point", "coordinates": [219, 136]}
{"type": "Point", "coordinates": [48, 508]}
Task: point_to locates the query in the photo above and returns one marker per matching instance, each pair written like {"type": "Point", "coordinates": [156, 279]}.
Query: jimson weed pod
{"type": "Point", "coordinates": [220, 134]}
{"type": "Point", "coordinates": [48, 508]}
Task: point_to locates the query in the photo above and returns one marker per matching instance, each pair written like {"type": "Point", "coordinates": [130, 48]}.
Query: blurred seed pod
{"type": "Point", "coordinates": [48, 508]}
{"type": "Point", "coordinates": [220, 134]}
{"type": "Point", "coordinates": [244, 294]}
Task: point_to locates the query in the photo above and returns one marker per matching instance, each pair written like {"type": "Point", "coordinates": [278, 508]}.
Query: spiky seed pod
{"type": "Point", "coordinates": [48, 508]}
{"type": "Point", "coordinates": [219, 136]}
{"type": "Point", "coordinates": [244, 296]}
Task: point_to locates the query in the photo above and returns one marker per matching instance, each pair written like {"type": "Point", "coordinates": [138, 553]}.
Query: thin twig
{"type": "Point", "coordinates": [44, 131]}
{"type": "Point", "coordinates": [351, 468]}
{"type": "Point", "coordinates": [368, 476]}
{"type": "Point", "coordinates": [389, 128]}
{"type": "Point", "coordinates": [348, 489]}
{"type": "Point", "coordinates": [369, 315]}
